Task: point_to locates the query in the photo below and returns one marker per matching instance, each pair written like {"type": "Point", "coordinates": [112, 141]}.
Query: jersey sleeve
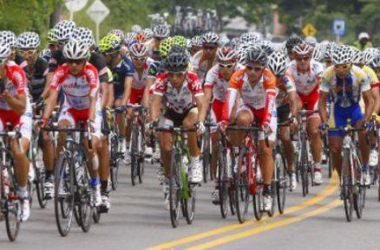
{"type": "Point", "coordinates": [57, 79]}
{"type": "Point", "coordinates": [129, 68]}
{"type": "Point", "coordinates": [372, 77]}
{"type": "Point", "coordinates": [19, 80]}
{"type": "Point", "coordinates": [160, 86]}
{"type": "Point", "coordinates": [289, 83]}
{"type": "Point", "coordinates": [93, 80]}
{"type": "Point", "coordinates": [195, 86]}
{"type": "Point", "coordinates": [53, 62]}
{"type": "Point", "coordinates": [211, 78]}
{"type": "Point", "coordinates": [326, 80]}
{"type": "Point", "coordinates": [269, 83]}
{"type": "Point", "coordinates": [235, 84]}
{"type": "Point", "coordinates": [153, 69]}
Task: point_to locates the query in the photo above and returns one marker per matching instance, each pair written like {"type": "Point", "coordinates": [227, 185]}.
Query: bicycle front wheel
{"type": "Point", "coordinates": [83, 193]}
{"type": "Point", "coordinates": [114, 161]}
{"type": "Point", "coordinates": [223, 182]}
{"type": "Point", "coordinates": [347, 187]}
{"type": "Point", "coordinates": [242, 191]}
{"type": "Point", "coordinates": [64, 194]}
{"type": "Point", "coordinates": [189, 203]}
{"type": "Point", "coordinates": [175, 183]}
{"type": "Point", "coordinates": [206, 155]}
{"type": "Point", "coordinates": [281, 182]}
{"type": "Point", "coordinates": [134, 153]}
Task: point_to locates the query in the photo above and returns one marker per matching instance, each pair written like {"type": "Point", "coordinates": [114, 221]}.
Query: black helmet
{"type": "Point", "coordinates": [257, 55]}
{"type": "Point", "coordinates": [177, 49]}
{"type": "Point", "coordinates": [292, 42]}
{"type": "Point", "coordinates": [176, 62]}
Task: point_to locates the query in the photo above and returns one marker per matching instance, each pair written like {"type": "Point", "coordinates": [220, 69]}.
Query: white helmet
{"type": "Point", "coordinates": [341, 54]}
{"type": "Point", "coordinates": [303, 49]}
{"type": "Point", "coordinates": [226, 53]}
{"type": "Point", "coordinates": [5, 50]}
{"type": "Point", "coordinates": [28, 40]}
{"type": "Point", "coordinates": [76, 50]}
{"type": "Point", "coordinates": [148, 33]}
{"type": "Point", "coordinates": [136, 29]}
{"type": "Point", "coordinates": [278, 63]}
{"type": "Point", "coordinates": [196, 41]}
{"type": "Point", "coordinates": [372, 52]}
{"type": "Point", "coordinates": [319, 52]}
{"type": "Point", "coordinates": [63, 30]}
{"type": "Point", "coordinates": [310, 40]}
{"type": "Point", "coordinates": [363, 35]}
{"type": "Point", "coordinates": [210, 37]}
{"type": "Point", "coordinates": [117, 32]}
{"type": "Point", "coordinates": [161, 31]}
{"type": "Point", "coordinates": [223, 40]}
{"type": "Point", "coordinates": [376, 62]}
{"type": "Point", "coordinates": [8, 37]}
{"type": "Point", "coordinates": [250, 37]}
{"type": "Point", "coordinates": [138, 50]}
{"type": "Point", "coordinates": [83, 34]}
{"type": "Point", "coordinates": [357, 56]}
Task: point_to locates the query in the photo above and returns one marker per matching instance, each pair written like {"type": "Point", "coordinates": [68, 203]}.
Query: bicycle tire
{"type": "Point", "coordinates": [223, 182]}
{"type": "Point", "coordinates": [39, 181]}
{"type": "Point", "coordinates": [83, 191]}
{"type": "Point", "coordinates": [206, 156]}
{"type": "Point", "coordinates": [258, 197]}
{"type": "Point", "coordinates": [304, 169]}
{"type": "Point", "coordinates": [134, 153]}
{"type": "Point", "coordinates": [175, 183]}
{"type": "Point", "coordinates": [114, 160]}
{"type": "Point", "coordinates": [242, 191]}
{"type": "Point", "coordinates": [190, 203]}
{"type": "Point", "coordinates": [281, 185]}
{"type": "Point", "coordinates": [12, 220]}
{"type": "Point", "coordinates": [231, 186]}
{"type": "Point", "coordinates": [96, 215]}
{"type": "Point", "coordinates": [64, 175]}
{"type": "Point", "coordinates": [347, 189]}
{"type": "Point", "coordinates": [141, 165]}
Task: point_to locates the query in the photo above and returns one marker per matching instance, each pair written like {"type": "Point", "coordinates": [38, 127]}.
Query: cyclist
{"type": "Point", "coordinates": [184, 98]}
{"type": "Point", "coordinates": [215, 89]}
{"type": "Point", "coordinates": [10, 38]}
{"type": "Point", "coordinates": [307, 74]}
{"type": "Point", "coordinates": [290, 44]}
{"type": "Point", "coordinates": [160, 32]}
{"type": "Point", "coordinates": [52, 43]}
{"type": "Point", "coordinates": [195, 45]}
{"type": "Point", "coordinates": [123, 70]}
{"type": "Point", "coordinates": [15, 108]}
{"type": "Point", "coordinates": [287, 108]}
{"type": "Point", "coordinates": [203, 60]}
{"type": "Point", "coordinates": [79, 82]}
{"type": "Point", "coordinates": [347, 83]}
{"type": "Point", "coordinates": [256, 86]}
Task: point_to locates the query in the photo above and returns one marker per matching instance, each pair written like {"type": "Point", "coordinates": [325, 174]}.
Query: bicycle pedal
{"type": "Point", "coordinates": [102, 209]}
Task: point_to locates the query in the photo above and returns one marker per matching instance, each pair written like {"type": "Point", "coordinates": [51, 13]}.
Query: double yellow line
{"type": "Point", "coordinates": [330, 189]}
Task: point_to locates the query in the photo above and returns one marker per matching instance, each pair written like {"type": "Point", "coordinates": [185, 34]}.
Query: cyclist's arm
{"type": "Point", "coordinates": [148, 83]}
{"type": "Point", "coordinates": [376, 99]}
{"type": "Point", "coordinates": [111, 96]}
{"type": "Point", "coordinates": [322, 107]}
{"type": "Point", "coordinates": [202, 107]}
{"type": "Point", "coordinates": [50, 103]}
{"type": "Point", "coordinates": [93, 99]}
{"type": "Point", "coordinates": [45, 93]}
{"type": "Point", "coordinates": [105, 93]}
{"type": "Point", "coordinates": [127, 89]}
{"type": "Point", "coordinates": [16, 103]}
{"type": "Point", "coordinates": [368, 100]}
{"type": "Point", "coordinates": [208, 95]}
{"type": "Point", "coordinates": [155, 107]}
{"type": "Point", "coordinates": [293, 97]}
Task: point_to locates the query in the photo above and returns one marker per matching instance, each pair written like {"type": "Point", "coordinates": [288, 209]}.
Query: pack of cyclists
{"type": "Point", "coordinates": [184, 82]}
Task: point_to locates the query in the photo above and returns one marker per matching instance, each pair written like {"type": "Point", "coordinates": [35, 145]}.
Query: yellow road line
{"type": "Point", "coordinates": [267, 227]}
{"type": "Point", "coordinates": [327, 191]}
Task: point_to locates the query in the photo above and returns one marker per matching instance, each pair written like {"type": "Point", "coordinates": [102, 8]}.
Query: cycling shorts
{"type": "Point", "coordinates": [339, 117]}
{"type": "Point", "coordinates": [175, 119]}
{"type": "Point", "coordinates": [24, 121]}
{"type": "Point", "coordinates": [310, 102]}
{"type": "Point", "coordinates": [136, 96]}
{"type": "Point", "coordinates": [283, 113]}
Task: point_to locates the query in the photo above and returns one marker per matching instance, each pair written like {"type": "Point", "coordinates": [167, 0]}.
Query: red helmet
{"type": "Point", "coordinates": [226, 54]}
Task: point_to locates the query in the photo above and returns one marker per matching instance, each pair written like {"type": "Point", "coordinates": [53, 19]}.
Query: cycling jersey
{"type": "Point", "coordinates": [182, 100]}
{"type": "Point", "coordinates": [57, 59]}
{"type": "Point", "coordinates": [372, 78]}
{"type": "Point", "coordinates": [100, 64]}
{"type": "Point", "coordinates": [20, 61]}
{"type": "Point", "coordinates": [77, 89]}
{"type": "Point", "coordinates": [285, 85]}
{"type": "Point", "coordinates": [37, 78]}
{"type": "Point", "coordinates": [200, 63]}
{"type": "Point", "coordinates": [16, 84]}
{"type": "Point", "coordinates": [139, 82]}
{"type": "Point", "coordinates": [123, 70]}
{"type": "Point", "coordinates": [260, 97]}
{"type": "Point", "coordinates": [307, 82]}
{"type": "Point", "coordinates": [156, 68]}
{"type": "Point", "coordinates": [216, 82]}
{"type": "Point", "coordinates": [345, 92]}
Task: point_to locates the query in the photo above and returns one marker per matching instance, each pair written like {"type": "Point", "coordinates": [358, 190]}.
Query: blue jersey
{"type": "Point", "coordinates": [123, 70]}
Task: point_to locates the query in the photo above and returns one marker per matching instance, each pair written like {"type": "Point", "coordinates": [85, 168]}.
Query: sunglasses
{"type": "Point", "coordinates": [138, 58]}
{"type": "Point", "coordinates": [172, 74]}
{"type": "Point", "coordinates": [77, 61]}
{"type": "Point", "coordinates": [2, 60]}
{"type": "Point", "coordinates": [257, 69]}
{"type": "Point", "coordinates": [305, 59]}
{"type": "Point", "coordinates": [226, 66]}
{"type": "Point", "coordinates": [209, 47]}
{"type": "Point", "coordinates": [27, 52]}
{"type": "Point", "coordinates": [342, 66]}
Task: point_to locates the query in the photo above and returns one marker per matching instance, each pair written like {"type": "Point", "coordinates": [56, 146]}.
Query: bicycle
{"type": "Point", "coordinates": [182, 193]}
{"type": "Point", "coordinates": [137, 142]}
{"type": "Point", "coordinates": [9, 201]}
{"type": "Point", "coordinates": [72, 192]}
{"type": "Point", "coordinates": [207, 150]}
{"type": "Point", "coordinates": [247, 175]}
{"type": "Point", "coordinates": [304, 163]}
{"type": "Point", "coordinates": [352, 191]}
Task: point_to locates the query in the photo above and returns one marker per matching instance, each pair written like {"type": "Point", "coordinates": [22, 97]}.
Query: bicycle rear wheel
{"type": "Point", "coordinates": [175, 183]}
{"type": "Point", "coordinates": [114, 161]}
{"type": "Point", "coordinates": [134, 153]}
{"type": "Point", "coordinates": [39, 181]}
{"type": "Point", "coordinates": [12, 207]}
{"type": "Point", "coordinates": [64, 194]}
{"type": "Point", "coordinates": [242, 191]}
{"type": "Point", "coordinates": [223, 182]}
{"type": "Point", "coordinates": [281, 184]}
{"type": "Point", "coordinates": [258, 197]}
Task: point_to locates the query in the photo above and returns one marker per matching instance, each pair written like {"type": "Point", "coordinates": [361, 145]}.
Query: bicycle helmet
{"type": "Point", "coordinates": [341, 54]}
{"type": "Point", "coordinates": [210, 37]}
{"type": "Point", "coordinates": [278, 63]}
{"type": "Point", "coordinates": [76, 50]}
{"type": "Point", "coordinates": [165, 46]}
{"type": "Point", "coordinates": [138, 50]}
{"type": "Point", "coordinates": [5, 50]}
{"type": "Point", "coordinates": [375, 62]}
{"type": "Point", "coordinates": [129, 37]}
{"type": "Point", "coordinates": [177, 49]}
{"type": "Point", "coordinates": [136, 29]}
{"type": "Point", "coordinates": [250, 37]}
{"type": "Point", "coordinates": [241, 54]}
{"type": "Point", "coordinates": [176, 62]}
{"type": "Point", "coordinates": [161, 31]}
{"type": "Point", "coordinates": [292, 42]}
{"type": "Point", "coordinates": [235, 42]}
{"type": "Point", "coordinates": [226, 54]}
{"type": "Point", "coordinates": [319, 52]}
{"type": "Point", "coordinates": [148, 33]}
{"type": "Point", "coordinates": [179, 40]}
{"type": "Point", "coordinates": [257, 55]}
{"type": "Point", "coordinates": [45, 53]}
{"type": "Point", "coordinates": [63, 30]}
{"type": "Point", "coordinates": [51, 37]}
{"type": "Point", "coordinates": [8, 37]}
{"type": "Point", "coordinates": [140, 38]}
{"type": "Point", "coordinates": [196, 41]}
{"type": "Point", "coordinates": [310, 40]}
{"type": "Point", "coordinates": [267, 46]}
{"type": "Point", "coordinates": [83, 34]}
{"type": "Point", "coordinates": [110, 44]}
{"type": "Point", "coordinates": [223, 41]}
{"type": "Point", "coordinates": [357, 56]}
{"type": "Point", "coordinates": [117, 32]}
{"type": "Point", "coordinates": [28, 40]}
{"type": "Point", "coordinates": [302, 49]}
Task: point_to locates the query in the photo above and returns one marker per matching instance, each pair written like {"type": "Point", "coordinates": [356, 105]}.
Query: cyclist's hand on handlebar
{"type": "Point", "coordinates": [151, 126]}
{"type": "Point", "coordinates": [368, 125]}
{"type": "Point", "coordinates": [266, 128]}
{"type": "Point", "coordinates": [293, 123]}
{"type": "Point", "coordinates": [323, 127]}
{"type": "Point", "coordinates": [223, 126]}
{"type": "Point", "coordinates": [201, 129]}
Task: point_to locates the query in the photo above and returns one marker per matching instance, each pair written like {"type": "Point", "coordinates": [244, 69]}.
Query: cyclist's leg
{"type": "Point", "coordinates": [315, 139]}
{"type": "Point", "coordinates": [216, 116]}
{"type": "Point", "coordinates": [48, 153]}
{"type": "Point", "coordinates": [104, 160]}
{"type": "Point", "coordinates": [244, 117]}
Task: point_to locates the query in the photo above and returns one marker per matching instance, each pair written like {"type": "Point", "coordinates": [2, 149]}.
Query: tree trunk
{"type": "Point", "coordinates": [55, 17]}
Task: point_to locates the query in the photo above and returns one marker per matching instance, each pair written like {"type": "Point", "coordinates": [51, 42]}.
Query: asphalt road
{"type": "Point", "coordinates": [138, 220]}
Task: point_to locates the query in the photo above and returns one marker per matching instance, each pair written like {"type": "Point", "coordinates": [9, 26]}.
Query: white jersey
{"type": "Point", "coordinates": [309, 81]}
{"type": "Point", "coordinates": [139, 82]}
